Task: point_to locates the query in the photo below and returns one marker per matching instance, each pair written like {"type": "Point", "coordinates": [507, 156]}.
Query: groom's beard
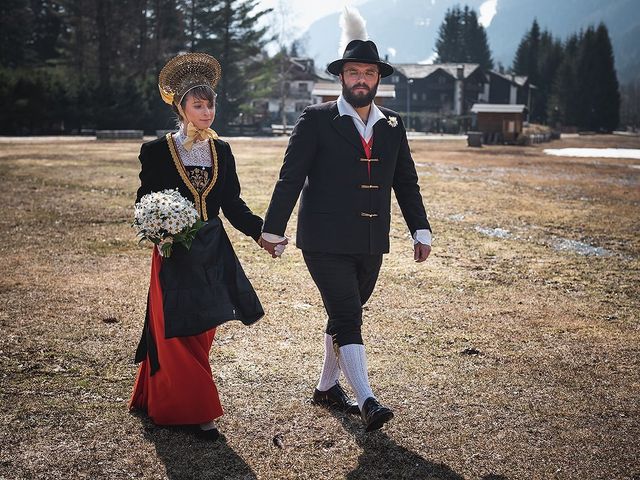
{"type": "Point", "coordinates": [359, 100]}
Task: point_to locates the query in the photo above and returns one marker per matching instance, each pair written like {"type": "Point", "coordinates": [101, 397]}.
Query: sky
{"type": "Point", "coordinates": [298, 15]}
{"type": "Point", "coordinates": [302, 13]}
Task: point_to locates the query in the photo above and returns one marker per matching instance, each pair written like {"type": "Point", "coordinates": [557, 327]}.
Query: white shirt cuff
{"type": "Point", "coordinates": [420, 236]}
{"type": "Point", "coordinates": [272, 238]}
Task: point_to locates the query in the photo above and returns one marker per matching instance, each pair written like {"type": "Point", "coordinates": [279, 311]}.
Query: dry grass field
{"type": "Point", "coordinates": [513, 353]}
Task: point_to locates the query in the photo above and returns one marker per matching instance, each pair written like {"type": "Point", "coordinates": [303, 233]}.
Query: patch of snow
{"type": "Point", "coordinates": [564, 244]}
{"type": "Point", "coordinates": [594, 152]}
{"type": "Point", "coordinates": [494, 232]}
{"type": "Point", "coordinates": [557, 243]}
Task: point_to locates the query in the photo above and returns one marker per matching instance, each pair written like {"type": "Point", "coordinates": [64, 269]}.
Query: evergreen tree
{"type": "Point", "coordinates": [78, 45]}
{"type": "Point", "coordinates": [228, 30]}
{"type": "Point", "coordinates": [47, 30]}
{"type": "Point", "coordinates": [606, 96]}
{"type": "Point", "coordinates": [527, 54]}
{"type": "Point", "coordinates": [15, 26]}
{"type": "Point", "coordinates": [550, 57]}
{"type": "Point", "coordinates": [94, 63]}
{"type": "Point", "coordinates": [30, 32]}
{"type": "Point", "coordinates": [449, 45]}
{"type": "Point", "coordinates": [563, 104]}
{"type": "Point", "coordinates": [475, 40]}
{"type": "Point", "coordinates": [461, 39]}
{"type": "Point", "coordinates": [114, 51]}
{"type": "Point", "coordinates": [240, 42]}
{"type": "Point", "coordinates": [586, 81]}
{"type": "Point", "coordinates": [538, 57]}
{"type": "Point", "coordinates": [597, 83]}
{"type": "Point", "coordinates": [202, 24]}
{"type": "Point", "coordinates": [585, 90]}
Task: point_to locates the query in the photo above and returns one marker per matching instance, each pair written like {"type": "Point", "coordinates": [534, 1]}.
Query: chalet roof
{"type": "Point", "coordinates": [324, 75]}
{"type": "Point", "coordinates": [300, 68]}
{"type": "Point", "coordinates": [519, 80]}
{"type": "Point", "coordinates": [497, 108]}
{"type": "Point", "coordinates": [418, 70]}
{"type": "Point", "coordinates": [326, 89]}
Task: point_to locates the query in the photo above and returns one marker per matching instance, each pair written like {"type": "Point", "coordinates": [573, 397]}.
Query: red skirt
{"type": "Point", "coordinates": [182, 391]}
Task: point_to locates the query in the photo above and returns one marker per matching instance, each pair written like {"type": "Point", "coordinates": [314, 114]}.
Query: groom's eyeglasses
{"type": "Point", "coordinates": [352, 74]}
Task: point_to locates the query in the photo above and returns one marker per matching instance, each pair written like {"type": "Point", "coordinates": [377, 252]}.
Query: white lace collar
{"type": "Point", "coordinates": [198, 156]}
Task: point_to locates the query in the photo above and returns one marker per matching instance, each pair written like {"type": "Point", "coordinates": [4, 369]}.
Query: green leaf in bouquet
{"type": "Point", "coordinates": [198, 225]}
{"type": "Point", "coordinates": [185, 238]}
{"type": "Point", "coordinates": [166, 249]}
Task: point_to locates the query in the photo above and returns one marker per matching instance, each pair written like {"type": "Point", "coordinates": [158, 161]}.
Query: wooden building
{"type": "Point", "coordinates": [499, 123]}
{"type": "Point", "coordinates": [329, 91]}
{"type": "Point", "coordinates": [446, 88]}
{"type": "Point", "coordinates": [289, 98]}
{"type": "Point", "coordinates": [510, 89]}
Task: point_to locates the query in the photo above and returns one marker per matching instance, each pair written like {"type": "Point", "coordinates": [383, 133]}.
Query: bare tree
{"type": "Point", "coordinates": [285, 63]}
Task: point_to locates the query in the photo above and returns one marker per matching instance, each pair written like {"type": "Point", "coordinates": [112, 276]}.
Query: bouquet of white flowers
{"type": "Point", "coordinates": [166, 218]}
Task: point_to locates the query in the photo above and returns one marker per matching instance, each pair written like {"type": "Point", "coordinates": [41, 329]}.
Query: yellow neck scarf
{"type": "Point", "coordinates": [195, 134]}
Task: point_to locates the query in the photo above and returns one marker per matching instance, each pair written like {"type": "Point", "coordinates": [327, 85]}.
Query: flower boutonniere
{"type": "Point", "coordinates": [393, 121]}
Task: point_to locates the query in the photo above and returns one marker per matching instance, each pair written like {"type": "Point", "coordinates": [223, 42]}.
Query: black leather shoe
{"type": "Point", "coordinates": [211, 435]}
{"type": "Point", "coordinates": [335, 398]}
{"type": "Point", "coordinates": [374, 414]}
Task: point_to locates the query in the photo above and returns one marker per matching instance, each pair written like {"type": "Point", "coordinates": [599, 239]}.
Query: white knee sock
{"type": "Point", "coordinates": [330, 369]}
{"type": "Point", "coordinates": [353, 362]}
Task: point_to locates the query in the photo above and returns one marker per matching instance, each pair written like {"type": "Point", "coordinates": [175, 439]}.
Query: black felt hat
{"type": "Point", "coordinates": [360, 51]}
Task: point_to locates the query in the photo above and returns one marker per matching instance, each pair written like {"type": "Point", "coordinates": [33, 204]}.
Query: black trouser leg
{"type": "Point", "coordinates": [345, 283]}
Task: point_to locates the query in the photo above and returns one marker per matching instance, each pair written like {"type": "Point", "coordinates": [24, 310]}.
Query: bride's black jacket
{"type": "Point", "coordinates": [162, 169]}
{"type": "Point", "coordinates": [204, 286]}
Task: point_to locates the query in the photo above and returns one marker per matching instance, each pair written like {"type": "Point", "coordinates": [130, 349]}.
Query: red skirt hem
{"type": "Point", "coordinates": [182, 391]}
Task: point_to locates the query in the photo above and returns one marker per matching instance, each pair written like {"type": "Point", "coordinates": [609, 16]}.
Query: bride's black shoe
{"type": "Point", "coordinates": [211, 435]}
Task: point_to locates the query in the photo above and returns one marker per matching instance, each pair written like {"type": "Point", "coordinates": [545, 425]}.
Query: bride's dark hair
{"type": "Point", "coordinates": [200, 92]}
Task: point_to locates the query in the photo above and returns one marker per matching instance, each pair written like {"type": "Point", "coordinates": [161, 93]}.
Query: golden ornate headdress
{"type": "Point", "coordinates": [185, 72]}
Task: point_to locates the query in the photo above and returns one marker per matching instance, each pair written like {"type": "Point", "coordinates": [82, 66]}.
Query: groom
{"type": "Point", "coordinates": [346, 156]}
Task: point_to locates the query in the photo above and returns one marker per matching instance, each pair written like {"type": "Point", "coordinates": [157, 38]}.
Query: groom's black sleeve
{"type": "Point", "coordinates": [407, 189]}
{"type": "Point", "coordinates": [298, 159]}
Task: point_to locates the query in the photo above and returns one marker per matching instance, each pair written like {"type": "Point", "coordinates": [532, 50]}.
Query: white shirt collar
{"type": "Point", "coordinates": [375, 115]}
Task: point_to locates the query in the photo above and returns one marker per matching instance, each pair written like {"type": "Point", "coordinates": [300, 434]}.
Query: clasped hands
{"type": "Point", "coordinates": [274, 249]}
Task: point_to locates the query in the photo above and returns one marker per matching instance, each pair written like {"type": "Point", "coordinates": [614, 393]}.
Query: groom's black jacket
{"type": "Point", "coordinates": [341, 209]}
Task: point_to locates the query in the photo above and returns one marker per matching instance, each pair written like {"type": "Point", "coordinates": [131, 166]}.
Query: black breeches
{"type": "Point", "coordinates": [345, 283]}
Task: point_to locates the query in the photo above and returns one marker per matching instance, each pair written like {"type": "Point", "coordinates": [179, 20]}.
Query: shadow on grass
{"type": "Point", "coordinates": [185, 456]}
{"type": "Point", "coordinates": [383, 458]}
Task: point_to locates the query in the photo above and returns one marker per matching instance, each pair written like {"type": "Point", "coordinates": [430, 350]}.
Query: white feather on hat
{"type": "Point", "coordinates": [353, 26]}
